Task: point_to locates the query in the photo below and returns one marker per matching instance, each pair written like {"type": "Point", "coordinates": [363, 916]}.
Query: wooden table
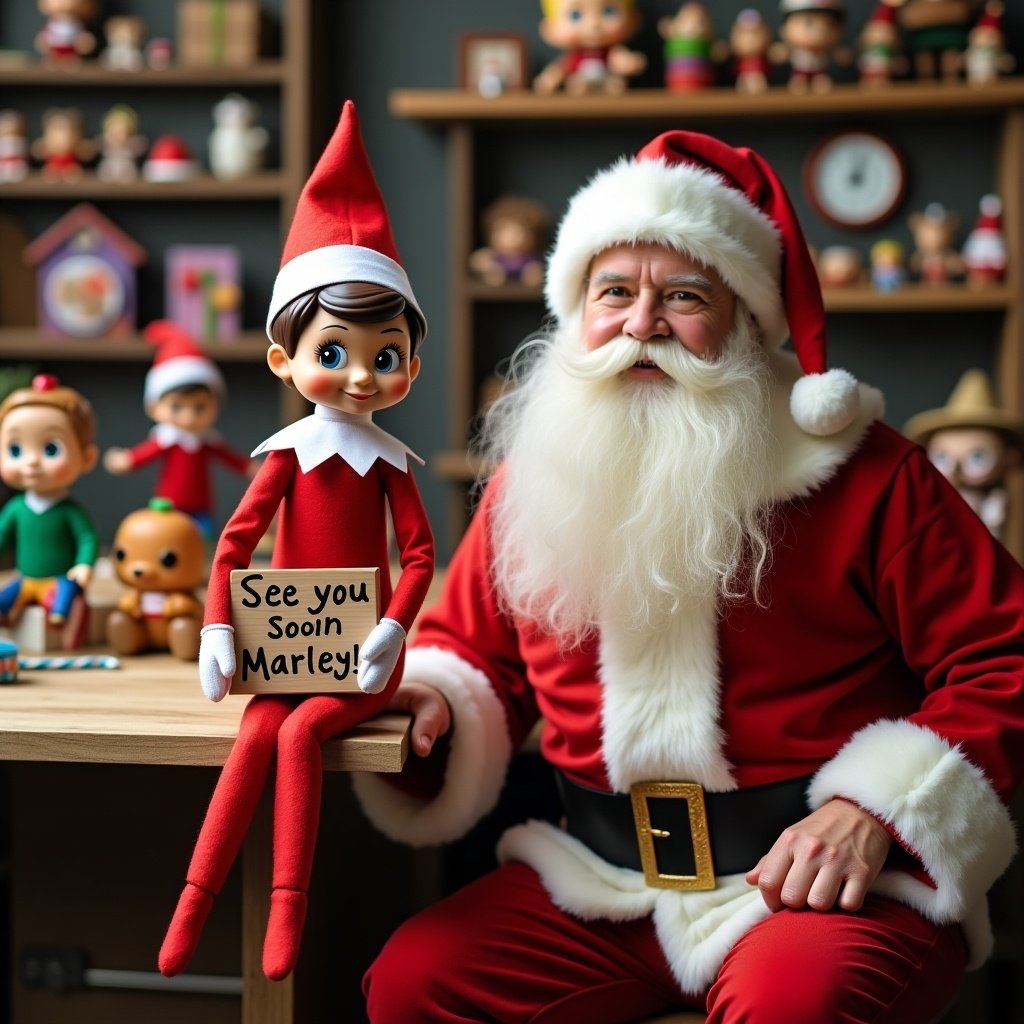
{"type": "Point", "coordinates": [150, 712]}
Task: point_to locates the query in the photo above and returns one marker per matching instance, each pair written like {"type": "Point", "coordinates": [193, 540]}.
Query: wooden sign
{"type": "Point", "coordinates": [300, 630]}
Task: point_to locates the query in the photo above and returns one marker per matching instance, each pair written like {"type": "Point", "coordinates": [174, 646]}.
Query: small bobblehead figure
{"type": "Point", "coordinates": [47, 441]}
{"type": "Point", "coordinates": [184, 393]}
{"type": "Point", "coordinates": [344, 327]}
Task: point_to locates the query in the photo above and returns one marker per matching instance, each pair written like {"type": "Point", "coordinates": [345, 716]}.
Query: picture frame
{"type": "Point", "coordinates": [491, 63]}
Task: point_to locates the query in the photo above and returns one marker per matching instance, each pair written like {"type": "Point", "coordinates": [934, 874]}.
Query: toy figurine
{"type": "Point", "coordinates": [840, 266]}
{"type": "Point", "coordinates": [159, 52]}
{"type": "Point", "coordinates": [13, 146]}
{"type": "Point", "coordinates": [120, 145]}
{"type": "Point", "coordinates": [750, 40]}
{"type": "Point", "coordinates": [65, 35]}
{"type": "Point", "coordinates": [237, 143]}
{"type": "Point", "coordinates": [936, 35]}
{"type": "Point", "coordinates": [888, 272]}
{"type": "Point", "coordinates": [169, 159]}
{"type": "Point", "coordinates": [345, 328]}
{"type": "Point", "coordinates": [124, 34]}
{"type": "Point", "coordinates": [984, 250]}
{"type": "Point", "coordinates": [63, 147]}
{"type": "Point", "coordinates": [690, 48]}
{"type": "Point", "coordinates": [934, 260]}
{"type": "Point", "coordinates": [515, 230]}
{"type": "Point", "coordinates": [592, 34]}
{"type": "Point", "coordinates": [974, 444]}
{"type": "Point", "coordinates": [160, 556]}
{"type": "Point", "coordinates": [810, 34]}
{"type": "Point", "coordinates": [880, 56]}
{"type": "Point", "coordinates": [985, 58]}
{"type": "Point", "coordinates": [184, 393]}
{"type": "Point", "coordinates": [47, 441]}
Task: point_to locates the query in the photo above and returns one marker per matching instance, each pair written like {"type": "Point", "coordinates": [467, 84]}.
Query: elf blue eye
{"type": "Point", "coordinates": [14, 450]}
{"type": "Point", "coordinates": [333, 357]}
{"type": "Point", "coordinates": [387, 360]}
{"type": "Point", "coordinates": [52, 449]}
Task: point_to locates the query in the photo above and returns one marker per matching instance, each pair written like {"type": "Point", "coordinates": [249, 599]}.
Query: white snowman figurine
{"type": "Point", "coordinates": [237, 144]}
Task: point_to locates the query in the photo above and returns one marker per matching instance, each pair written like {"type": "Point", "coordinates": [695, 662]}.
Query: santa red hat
{"type": "Point", "coordinates": [726, 208]}
{"type": "Point", "coordinates": [179, 362]}
{"type": "Point", "coordinates": [884, 14]}
{"type": "Point", "coordinates": [341, 231]}
{"type": "Point", "coordinates": [991, 17]}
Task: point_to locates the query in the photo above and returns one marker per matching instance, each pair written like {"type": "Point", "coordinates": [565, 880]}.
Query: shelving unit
{"type": "Point", "coordinates": [462, 115]}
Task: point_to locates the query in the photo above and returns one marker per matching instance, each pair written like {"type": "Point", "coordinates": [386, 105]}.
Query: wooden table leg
{"type": "Point", "coordinates": [263, 1001]}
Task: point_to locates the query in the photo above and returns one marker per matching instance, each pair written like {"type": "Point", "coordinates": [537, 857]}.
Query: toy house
{"type": "Point", "coordinates": [86, 276]}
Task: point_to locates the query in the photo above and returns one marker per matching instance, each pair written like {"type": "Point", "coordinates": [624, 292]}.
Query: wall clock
{"type": "Point", "coordinates": [855, 179]}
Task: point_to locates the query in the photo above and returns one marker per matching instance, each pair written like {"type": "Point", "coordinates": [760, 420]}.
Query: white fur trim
{"type": "Point", "coordinates": [825, 403]}
{"type": "Point", "coordinates": [942, 806]}
{"type": "Point", "coordinates": [682, 206]}
{"type": "Point", "coordinates": [479, 757]}
{"type": "Point", "coordinates": [176, 373]}
{"type": "Point", "coordinates": [333, 264]}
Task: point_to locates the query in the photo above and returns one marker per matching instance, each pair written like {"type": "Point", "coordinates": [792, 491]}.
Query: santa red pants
{"type": "Point", "coordinates": [499, 950]}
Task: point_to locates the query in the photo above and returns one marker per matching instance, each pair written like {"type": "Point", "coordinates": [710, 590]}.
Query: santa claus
{"type": "Point", "coordinates": [778, 662]}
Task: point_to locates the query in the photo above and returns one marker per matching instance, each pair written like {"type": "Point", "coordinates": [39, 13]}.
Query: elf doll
{"type": "Point", "coordinates": [183, 395]}
{"type": "Point", "coordinates": [344, 328]}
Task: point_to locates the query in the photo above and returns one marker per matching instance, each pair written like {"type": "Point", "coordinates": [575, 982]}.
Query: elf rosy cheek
{"type": "Point", "coordinates": [321, 385]}
{"type": "Point", "coordinates": [396, 386]}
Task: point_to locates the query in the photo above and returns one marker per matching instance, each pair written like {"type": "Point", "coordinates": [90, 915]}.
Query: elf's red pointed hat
{"type": "Point", "coordinates": [726, 208]}
{"type": "Point", "coordinates": [340, 231]}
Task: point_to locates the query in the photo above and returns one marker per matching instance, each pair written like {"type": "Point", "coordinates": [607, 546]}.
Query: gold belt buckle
{"type": "Point", "coordinates": [693, 794]}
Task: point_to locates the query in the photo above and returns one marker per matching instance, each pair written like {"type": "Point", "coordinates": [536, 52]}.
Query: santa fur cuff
{"type": "Point", "coordinates": [477, 762]}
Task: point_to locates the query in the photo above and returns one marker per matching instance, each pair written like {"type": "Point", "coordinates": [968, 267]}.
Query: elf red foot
{"type": "Point", "coordinates": [185, 929]}
{"type": "Point", "coordinates": [284, 932]}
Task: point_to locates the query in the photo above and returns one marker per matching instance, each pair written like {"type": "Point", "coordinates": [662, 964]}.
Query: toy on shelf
{"type": "Point", "coordinates": [345, 329]}
{"type": "Point", "coordinates": [750, 41]}
{"type": "Point", "coordinates": [8, 661]}
{"type": "Point", "coordinates": [810, 35]}
{"type": "Point", "coordinates": [87, 271]}
{"type": "Point", "coordinates": [170, 159]}
{"type": "Point", "coordinates": [120, 145]}
{"type": "Point", "coordinates": [880, 56]}
{"type": "Point", "coordinates": [47, 441]}
{"type": "Point", "coordinates": [840, 266]}
{"type": "Point", "coordinates": [888, 265]}
{"type": "Point", "coordinates": [160, 556]}
{"type": "Point", "coordinates": [515, 231]}
{"type": "Point", "coordinates": [936, 36]}
{"type": "Point", "coordinates": [935, 260]}
{"type": "Point", "coordinates": [65, 34]}
{"type": "Point", "coordinates": [237, 143]}
{"type": "Point", "coordinates": [984, 250]}
{"type": "Point", "coordinates": [220, 33]}
{"type": "Point", "coordinates": [690, 48]}
{"type": "Point", "coordinates": [14, 146]}
{"type": "Point", "coordinates": [203, 290]}
{"type": "Point", "coordinates": [62, 147]}
{"type": "Point", "coordinates": [986, 58]}
{"type": "Point", "coordinates": [974, 444]}
{"type": "Point", "coordinates": [183, 395]}
{"type": "Point", "coordinates": [592, 34]}
{"type": "Point", "coordinates": [124, 34]}
{"type": "Point", "coordinates": [159, 53]}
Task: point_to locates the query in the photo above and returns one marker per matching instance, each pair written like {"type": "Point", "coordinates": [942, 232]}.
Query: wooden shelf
{"type": "Point", "coordinates": [266, 185]}
{"type": "Point", "coordinates": [91, 73]}
{"type": "Point", "coordinates": [456, 466]}
{"type": "Point", "coordinates": [29, 343]}
{"type": "Point", "coordinates": [719, 103]}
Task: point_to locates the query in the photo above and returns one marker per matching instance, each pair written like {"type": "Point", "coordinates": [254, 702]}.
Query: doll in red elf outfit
{"type": "Point", "coordinates": [184, 393]}
{"type": "Point", "coordinates": [344, 328]}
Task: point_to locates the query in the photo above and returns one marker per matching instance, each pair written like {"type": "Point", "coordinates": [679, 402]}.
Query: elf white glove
{"type": "Point", "coordinates": [379, 655]}
{"type": "Point", "coordinates": [216, 659]}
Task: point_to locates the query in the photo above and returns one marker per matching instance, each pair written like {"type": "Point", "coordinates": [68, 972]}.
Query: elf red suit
{"type": "Point", "coordinates": [344, 326]}
{"type": "Point", "coordinates": [883, 665]}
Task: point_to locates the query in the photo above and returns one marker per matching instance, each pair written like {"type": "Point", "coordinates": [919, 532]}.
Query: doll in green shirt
{"type": "Point", "coordinates": [47, 441]}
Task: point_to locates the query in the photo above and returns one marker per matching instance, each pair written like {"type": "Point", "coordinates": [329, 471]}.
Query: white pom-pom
{"type": "Point", "coordinates": [825, 403]}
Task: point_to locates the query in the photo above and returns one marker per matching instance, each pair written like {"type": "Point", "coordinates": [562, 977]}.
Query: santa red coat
{"type": "Point", "coordinates": [887, 660]}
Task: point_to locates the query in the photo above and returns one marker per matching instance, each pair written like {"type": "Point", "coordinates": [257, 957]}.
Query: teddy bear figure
{"type": "Point", "coordinates": [934, 260]}
{"type": "Point", "coordinates": [159, 555]}
{"type": "Point", "coordinates": [515, 232]}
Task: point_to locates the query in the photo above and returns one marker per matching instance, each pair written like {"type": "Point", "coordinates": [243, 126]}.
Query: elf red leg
{"type": "Point", "coordinates": [231, 810]}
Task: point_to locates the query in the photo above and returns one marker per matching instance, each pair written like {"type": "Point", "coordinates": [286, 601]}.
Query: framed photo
{"type": "Point", "coordinates": [492, 63]}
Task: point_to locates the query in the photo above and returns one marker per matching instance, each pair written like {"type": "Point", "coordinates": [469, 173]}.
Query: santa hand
{"type": "Point", "coordinates": [216, 659]}
{"type": "Point", "coordinates": [379, 655]}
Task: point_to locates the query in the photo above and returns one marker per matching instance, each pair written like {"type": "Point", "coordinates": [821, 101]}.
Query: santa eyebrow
{"type": "Point", "coordinates": [688, 280]}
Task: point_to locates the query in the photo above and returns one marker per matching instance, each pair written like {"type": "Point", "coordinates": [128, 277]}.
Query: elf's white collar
{"type": "Point", "coordinates": [39, 503]}
{"type": "Point", "coordinates": [356, 438]}
{"type": "Point", "coordinates": [167, 435]}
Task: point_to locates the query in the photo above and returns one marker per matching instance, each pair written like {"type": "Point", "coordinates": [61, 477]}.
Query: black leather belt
{"type": "Point", "coordinates": [677, 834]}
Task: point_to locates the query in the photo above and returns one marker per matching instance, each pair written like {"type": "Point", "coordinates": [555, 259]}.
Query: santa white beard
{"type": "Point", "coordinates": [628, 497]}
